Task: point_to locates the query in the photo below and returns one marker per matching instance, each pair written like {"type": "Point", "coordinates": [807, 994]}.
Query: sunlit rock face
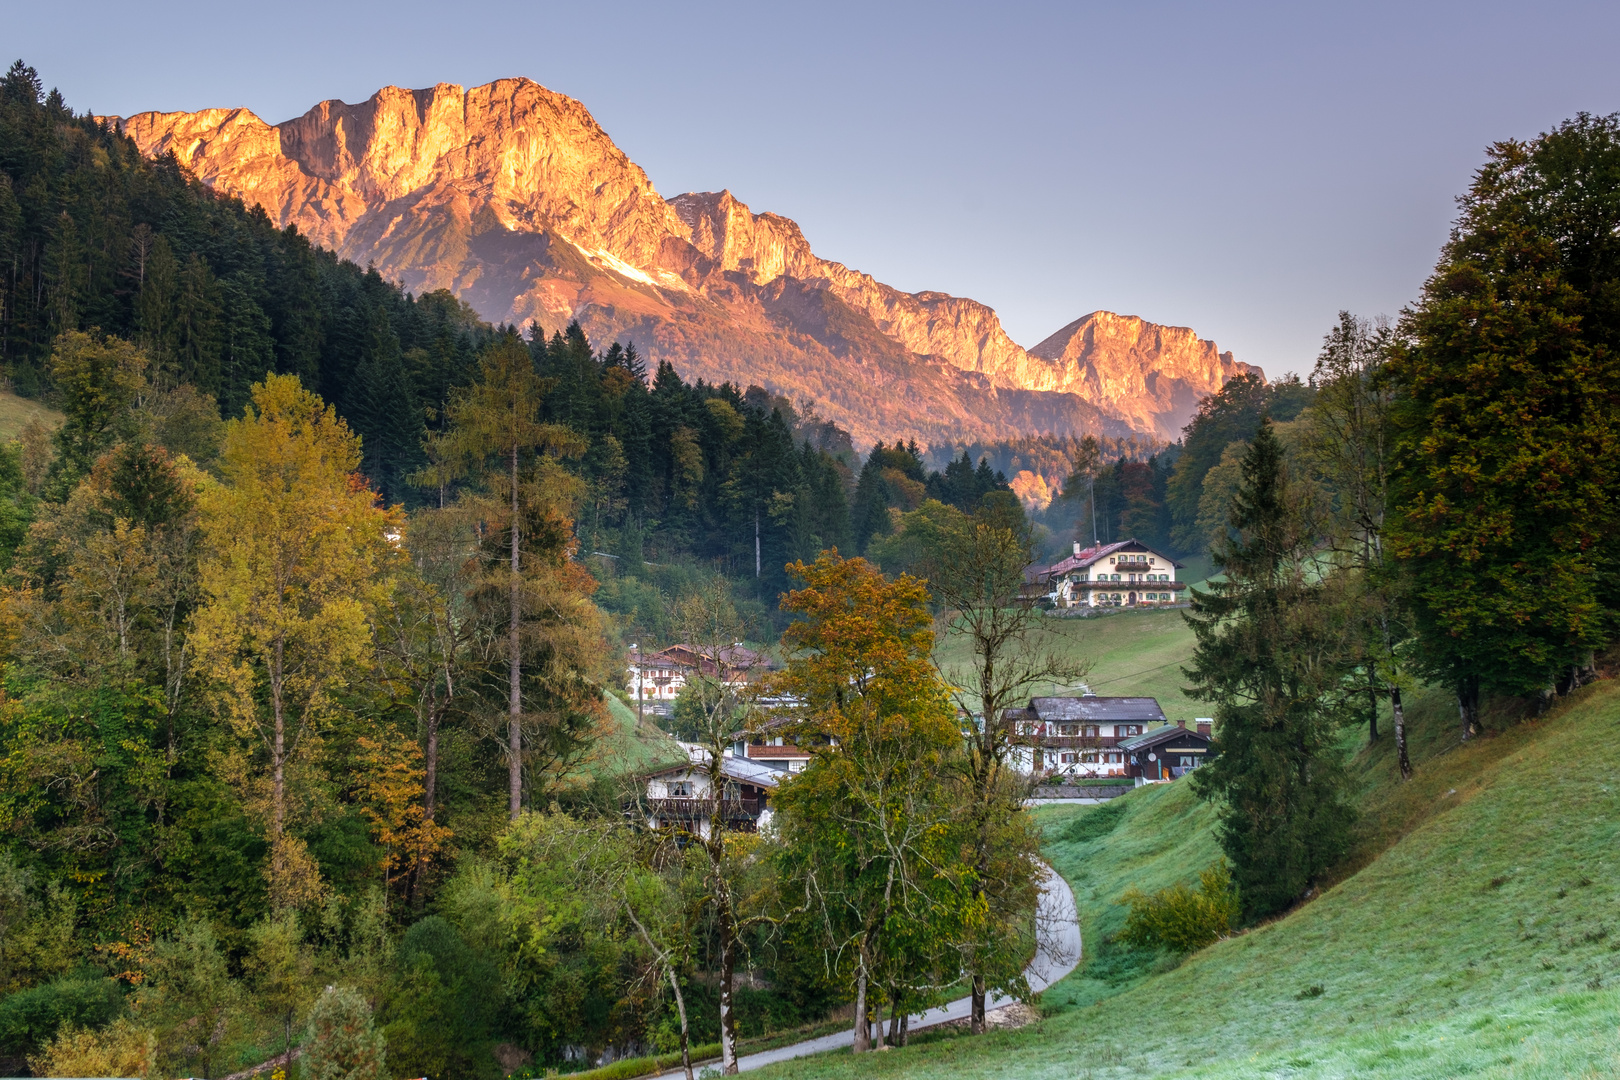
{"type": "Point", "coordinates": [515, 199]}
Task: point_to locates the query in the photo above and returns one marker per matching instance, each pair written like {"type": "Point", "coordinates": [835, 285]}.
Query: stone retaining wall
{"type": "Point", "coordinates": [1080, 791]}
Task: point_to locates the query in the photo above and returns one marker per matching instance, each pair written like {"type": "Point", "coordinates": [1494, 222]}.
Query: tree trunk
{"type": "Point", "coordinates": [905, 1025]}
{"type": "Point", "coordinates": [430, 781]}
{"type": "Point", "coordinates": [756, 544]}
{"type": "Point", "coordinates": [1372, 703]}
{"type": "Point", "coordinates": [278, 763]}
{"type": "Point", "coordinates": [976, 1015]}
{"type": "Point", "coordinates": [514, 721]}
{"type": "Point", "coordinates": [728, 1018]}
{"type": "Point", "coordinates": [863, 1023]}
{"type": "Point", "coordinates": [680, 1009]}
{"type": "Point", "coordinates": [1468, 705]}
{"type": "Point", "coordinates": [1399, 716]}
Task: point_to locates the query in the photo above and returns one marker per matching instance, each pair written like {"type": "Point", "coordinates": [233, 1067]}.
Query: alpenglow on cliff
{"type": "Point", "coordinates": [513, 198]}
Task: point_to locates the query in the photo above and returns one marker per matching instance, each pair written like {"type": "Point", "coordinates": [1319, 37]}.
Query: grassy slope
{"type": "Point", "coordinates": [1132, 653]}
{"type": "Point", "coordinates": [15, 412]}
{"type": "Point", "coordinates": [630, 746]}
{"type": "Point", "coordinates": [1479, 938]}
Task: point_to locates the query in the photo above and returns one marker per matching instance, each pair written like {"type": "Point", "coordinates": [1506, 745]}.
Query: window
{"type": "Point", "coordinates": [1114, 758]}
{"type": "Point", "coordinates": [795, 765]}
{"type": "Point", "coordinates": [1125, 730]}
{"type": "Point", "coordinates": [1068, 729]}
{"type": "Point", "coordinates": [1089, 758]}
{"type": "Point", "coordinates": [1089, 731]}
{"type": "Point", "coordinates": [1068, 759]}
{"type": "Point", "coordinates": [679, 789]}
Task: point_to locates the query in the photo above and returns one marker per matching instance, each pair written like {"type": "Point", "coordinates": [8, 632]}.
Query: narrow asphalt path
{"type": "Point", "coordinates": [1057, 952]}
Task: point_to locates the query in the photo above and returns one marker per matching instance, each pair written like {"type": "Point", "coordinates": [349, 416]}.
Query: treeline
{"type": "Point", "coordinates": [258, 723]}
{"type": "Point", "coordinates": [264, 733]}
{"type": "Point", "coordinates": [736, 479]}
{"type": "Point", "coordinates": [1439, 505]}
{"type": "Point", "coordinates": [94, 235]}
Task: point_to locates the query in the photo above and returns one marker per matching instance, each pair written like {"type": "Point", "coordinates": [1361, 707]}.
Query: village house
{"type": "Point", "coordinates": [683, 795]}
{"type": "Point", "coordinates": [1169, 752]}
{"type": "Point", "coordinates": [656, 679]}
{"type": "Point", "coordinates": [1123, 574]}
{"type": "Point", "coordinates": [1092, 736]}
{"type": "Point", "coordinates": [767, 745]}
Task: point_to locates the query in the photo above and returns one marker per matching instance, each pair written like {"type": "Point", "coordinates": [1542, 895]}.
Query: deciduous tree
{"type": "Point", "coordinates": [297, 556]}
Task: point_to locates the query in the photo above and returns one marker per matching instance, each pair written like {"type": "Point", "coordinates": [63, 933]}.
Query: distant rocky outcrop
{"type": "Point", "coordinates": [515, 199]}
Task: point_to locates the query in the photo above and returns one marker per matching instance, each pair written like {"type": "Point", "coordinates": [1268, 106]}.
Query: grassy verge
{"type": "Point", "coordinates": [706, 1053]}
{"type": "Point", "coordinates": [1481, 935]}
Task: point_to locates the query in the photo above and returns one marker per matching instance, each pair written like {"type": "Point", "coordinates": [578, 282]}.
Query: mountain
{"type": "Point", "coordinates": [515, 199]}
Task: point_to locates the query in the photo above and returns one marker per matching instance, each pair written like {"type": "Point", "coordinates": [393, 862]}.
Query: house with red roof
{"type": "Point", "coordinates": [1127, 573]}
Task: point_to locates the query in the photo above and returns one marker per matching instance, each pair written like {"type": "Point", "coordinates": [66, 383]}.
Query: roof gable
{"type": "Point", "coordinates": [1098, 552]}
{"type": "Point", "coordinates": [1161, 735]}
{"type": "Point", "coordinates": [1138, 710]}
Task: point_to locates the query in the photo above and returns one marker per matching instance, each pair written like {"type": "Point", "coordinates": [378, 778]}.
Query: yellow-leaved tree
{"type": "Point", "coordinates": [298, 555]}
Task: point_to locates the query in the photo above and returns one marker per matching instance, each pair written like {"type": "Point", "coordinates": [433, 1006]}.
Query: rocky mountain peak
{"type": "Point", "coordinates": [513, 197]}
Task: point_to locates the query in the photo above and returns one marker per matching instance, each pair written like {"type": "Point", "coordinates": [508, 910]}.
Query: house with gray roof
{"type": "Point", "coordinates": [1091, 736]}
{"type": "Point", "coordinates": [689, 795]}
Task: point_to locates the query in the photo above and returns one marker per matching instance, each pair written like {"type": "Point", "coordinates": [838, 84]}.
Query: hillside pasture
{"type": "Point", "coordinates": [1479, 936]}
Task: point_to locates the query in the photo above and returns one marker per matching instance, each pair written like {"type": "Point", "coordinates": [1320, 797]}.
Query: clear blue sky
{"type": "Point", "coordinates": [1244, 169]}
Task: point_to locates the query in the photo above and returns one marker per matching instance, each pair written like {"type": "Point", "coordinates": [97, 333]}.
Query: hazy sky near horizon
{"type": "Point", "coordinates": [1244, 169]}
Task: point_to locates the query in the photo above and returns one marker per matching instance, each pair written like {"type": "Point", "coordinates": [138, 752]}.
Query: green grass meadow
{"type": "Point", "coordinates": [1475, 933]}
{"type": "Point", "coordinates": [631, 745]}
{"type": "Point", "coordinates": [1129, 653]}
{"type": "Point", "coordinates": [16, 412]}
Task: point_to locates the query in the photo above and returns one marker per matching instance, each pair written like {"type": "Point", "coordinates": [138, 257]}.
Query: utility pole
{"type": "Point", "coordinates": [635, 657]}
{"type": "Point", "coordinates": [1091, 497]}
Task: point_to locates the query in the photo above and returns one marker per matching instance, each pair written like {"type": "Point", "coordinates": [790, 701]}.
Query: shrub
{"type": "Point", "coordinates": [341, 1043]}
{"type": "Point", "coordinates": [119, 1049]}
{"type": "Point", "coordinates": [31, 1018]}
{"type": "Point", "coordinates": [1184, 919]}
{"type": "Point", "coordinates": [440, 1012]}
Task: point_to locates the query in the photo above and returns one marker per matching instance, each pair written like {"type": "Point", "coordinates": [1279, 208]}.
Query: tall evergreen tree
{"type": "Point", "coordinates": [1269, 658]}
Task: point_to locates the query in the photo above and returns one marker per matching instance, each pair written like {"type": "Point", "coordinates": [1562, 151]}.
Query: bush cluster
{"type": "Point", "coordinates": [1183, 919]}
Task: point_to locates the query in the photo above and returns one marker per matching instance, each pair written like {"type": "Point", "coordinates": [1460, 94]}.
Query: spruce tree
{"type": "Point", "coordinates": [1270, 659]}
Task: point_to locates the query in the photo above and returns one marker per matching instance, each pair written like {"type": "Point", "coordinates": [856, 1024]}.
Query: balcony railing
{"type": "Point", "coordinates": [1078, 742]}
{"type": "Point", "coordinates": [694, 809]}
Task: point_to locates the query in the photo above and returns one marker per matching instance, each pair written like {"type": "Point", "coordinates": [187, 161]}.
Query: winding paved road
{"type": "Point", "coordinates": [1057, 952]}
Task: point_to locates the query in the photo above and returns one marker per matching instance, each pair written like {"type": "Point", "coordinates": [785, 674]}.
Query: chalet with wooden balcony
{"type": "Point", "coordinates": [1124, 574]}
{"type": "Point", "coordinates": [690, 795]}
{"type": "Point", "coordinates": [769, 744]}
{"type": "Point", "coordinates": [657, 678]}
{"type": "Point", "coordinates": [1080, 736]}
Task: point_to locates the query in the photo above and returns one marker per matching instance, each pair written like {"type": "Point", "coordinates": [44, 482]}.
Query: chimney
{"type": "Point", "coordinates": [1205, 725]}
{"type": "Point", "coordinates": [1077, 547]}
{"type": "Point", "coordinates": [1181, 723]}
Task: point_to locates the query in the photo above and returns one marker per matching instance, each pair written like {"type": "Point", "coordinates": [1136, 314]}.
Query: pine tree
{"type": "Point", "coordinates": [1269, 658]}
